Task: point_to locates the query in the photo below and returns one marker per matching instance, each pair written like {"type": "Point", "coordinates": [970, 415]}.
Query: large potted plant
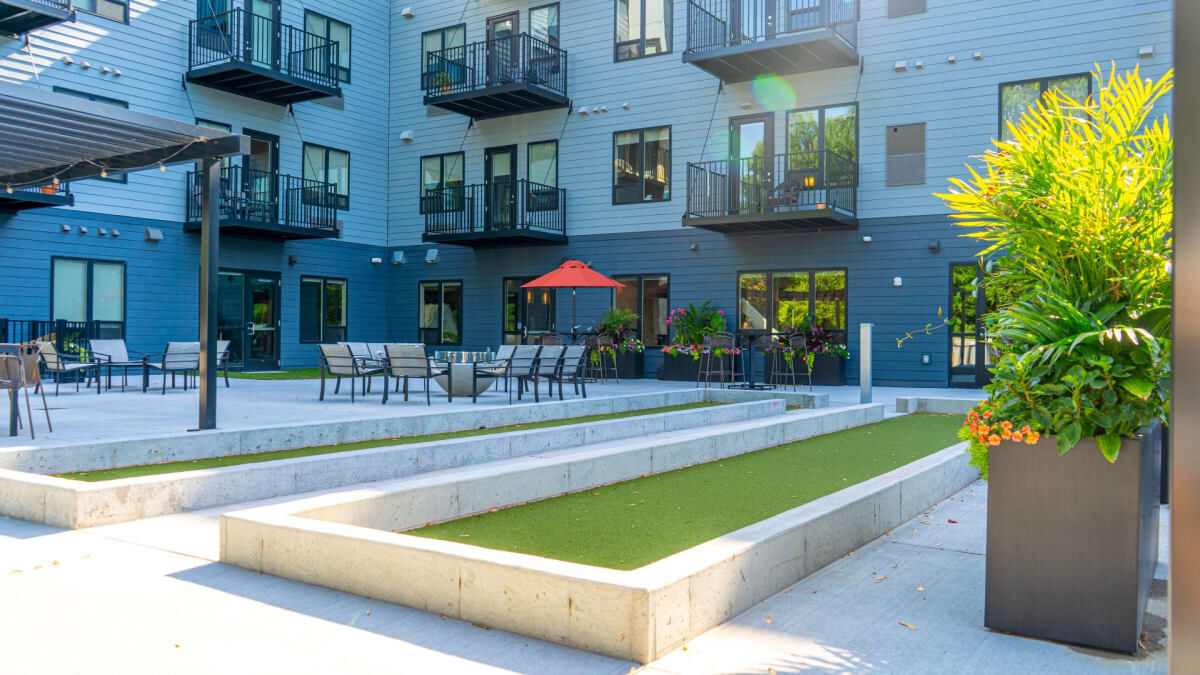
{"type": "Point", "coordinates": [825, 359]}
{"type": "Point", "coordinates": [1076, 210]}
{"type": "Point", "coordinates": [620, 325]}
{"type": "Point", "coordinates": [690, 326]}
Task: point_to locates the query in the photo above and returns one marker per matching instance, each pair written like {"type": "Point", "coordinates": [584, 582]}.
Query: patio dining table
{"type": "Point", "coordinates": [748, 337]}
{"type": "Point", "coordinates": [462, 371]}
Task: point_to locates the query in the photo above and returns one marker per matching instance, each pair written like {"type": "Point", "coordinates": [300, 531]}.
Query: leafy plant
{"type": "Point", "coordinates": [1076, 210]}
{"type": "Point", "coordinates": [617, 322]}
{"type": "Point", "coordinates": [692, 324]}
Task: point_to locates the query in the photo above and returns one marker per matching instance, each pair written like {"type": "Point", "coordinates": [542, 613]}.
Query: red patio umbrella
{"type": "Point", "coordinates": [573, 274]}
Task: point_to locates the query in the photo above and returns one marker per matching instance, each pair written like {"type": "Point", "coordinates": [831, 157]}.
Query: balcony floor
{"type": "Point", "coordinates": [513, 98]}
{"type": "Point", "coordinates": [267, 230]}
{"type": "Point", "coordinates": [799, 220]}
{"type": "Point", "coordinates": [20, 200]}
{"type": "Point", "coordinates": [22, 16]}
{"type": "Point", "coordinates": [496, 238]}
{"type": "Point", "coordinates": [788, 54]}
{"type": "Point", "coordinates": [256, 82]}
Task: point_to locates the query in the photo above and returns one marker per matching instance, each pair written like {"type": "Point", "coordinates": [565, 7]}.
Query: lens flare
{"type": "Point", "coordinates": [773, 93]}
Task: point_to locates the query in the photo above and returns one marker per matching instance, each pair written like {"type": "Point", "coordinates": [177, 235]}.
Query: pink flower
{"type": "Point", "coordinates": [721, 312]}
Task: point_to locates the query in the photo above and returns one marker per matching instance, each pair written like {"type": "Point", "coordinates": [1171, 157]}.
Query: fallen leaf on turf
{"type": "Point", "coordinates": [879, 578]}
{"type": "Point", "coordinates": [770, 620]}
{"type": "Point", "coordinates": [908, 625]}
{"type": "Point", "coordinates": [951, 520]}
{"type": "Point", "coordinates": [493, 510]}
{"type": "Point", "coordinates": [850, 553]}
{"type": "Point", "coordinates": [464, 535]}
{"type": "Point", "coordinates": [921, 588]}
{"type": "Point", "coordinates": [595, 494]}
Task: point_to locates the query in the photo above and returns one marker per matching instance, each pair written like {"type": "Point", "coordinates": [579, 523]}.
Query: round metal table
{"type": "Point", "coordinates": [462, 371]}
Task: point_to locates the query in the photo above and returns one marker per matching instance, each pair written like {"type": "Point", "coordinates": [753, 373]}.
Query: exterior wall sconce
{"type": "Point", "coordinates": [116, 233]}
{"type": "Point", "coordinates": [897, 282]}
{"type": "Point", "coordinates": [376, 261]}
{"type": "Point", "coordinates": [398, 257]}
{"type": "Point", "coordinates": [952, 59]}
{"type": "Point", "coordinates": [82, 229]}
{"type": "Point", "coordinates": [866, 238]}
{"type": "Point", "coordinates": [291, 260]}
{"type": "Point", "coordinates": [694, 247]}
{"type": "Point", "coordinates": [103, 232]}
{"type": "Point", "coordinates": [431, 256]}
{"type": "Point", "coordinates": [978, 56]}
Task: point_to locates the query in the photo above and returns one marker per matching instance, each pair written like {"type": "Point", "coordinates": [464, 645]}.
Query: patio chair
{"type": "Point", "coordinates": [409, 361]}
{"type": "Point", "coordinates": [711, 364]}
{"type": "Point", "coordinates": [602, 346]}
{"type": "Point", "coordinates": [548, 365]}
{"type": "Point", "coordinates": [496, 368]}
{"type": "Point", "coordinates": [223, 359]}
{"type": "Point", "coordinates": [368, 358]}
{"type": "Point", "coordinates": [572, 368]}
{"type": "Point", "coordinates": [523, 367]}
{"type": "Point", "coordinates": [339, 361]}
{"type": "Point", "coordinates": [111, 354]}
{"type": "Point", "coordinates": [62, 364]}
{"type": "Point", "coordinates": [176, 358]}
{"type": "Point", "coordinates": [19, 372]}
{"type": "Point", "coordinates": [799, 345]}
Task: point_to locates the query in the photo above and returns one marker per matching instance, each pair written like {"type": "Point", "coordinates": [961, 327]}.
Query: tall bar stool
{"type": "Point", "coordinates": [552, 339]}
{"type": "Point", "coordinates": [765, 344]}
{"type": "Point", "coordinates": [711, 364]}
{"type": "Point", "coordinates": [606, 357]}
{"type": "Point", "coordinates": [799, 345]}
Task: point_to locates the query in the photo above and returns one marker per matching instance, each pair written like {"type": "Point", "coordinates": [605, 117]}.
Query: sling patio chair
{"type": "Point", "coordinates": [339, 361]}
{"type": "Point", "coordinates": [497, 367]}
{"type": "Point", "coordinates": [523, 367]}
{"type": "Point", "coordinates": [548, 364]}
{"type": "Point", "coordinates": [572, 368]}
{"type": "Point", "coordinates": [20, 372]}
{"type": "Point", "coordinates": [110, 354]}
{"type": "Point", "coordinates": [176, 358]}
{"type": "Point", "coordinates": [62, 364]}
{"type": "Point", "coordinates": [405, 361]}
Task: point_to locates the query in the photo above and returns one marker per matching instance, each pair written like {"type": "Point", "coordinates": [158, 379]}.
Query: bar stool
{"type": "Point", "coordinates": [711, 364]}
{"type": "Point", "coordinates": [799, 345]}
{"type": "Point", "coordinates": [552, 339]}
{"type": "Point", "coordinates": [606, 357]}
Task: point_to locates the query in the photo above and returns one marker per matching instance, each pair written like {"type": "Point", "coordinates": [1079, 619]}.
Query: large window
{"type": "Point", "coordinates": [437, 40]}
{"type": "Point", "coordinates": [543, 23]}
{"type": "Point", "coordinates": [832, 128]}
{"type": "Point", "coordinates": [643, 28]}
{"type": "Point", "coordinates": [120, 178]}
{"type": "Point", "coordinates": [441, 313]}
{"type": "Point", "coordinates": [780, 301]}
{"type": "Point", "coordinates": [335, 31]}
{"type": "Point", "coordinates": [1016, 97]}
{"type": "Point", "coordinates": [442, 182]}
{"type": "Point", "coordinates": [323, 310]}
{"type": "Point", "coordinates": [87, 290]}
{"type": "Point", "coordinates": [117, 10]}
{"type": "Point", "coordinates": [327, 165]}
{"type": "Point", "coordinates": [642, 165]}
{"type": "Point", "coordinates": [649, 297]}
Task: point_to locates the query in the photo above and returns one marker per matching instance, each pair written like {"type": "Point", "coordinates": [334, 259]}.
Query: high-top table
{"type": "Point", "coordinates": [748, 336]}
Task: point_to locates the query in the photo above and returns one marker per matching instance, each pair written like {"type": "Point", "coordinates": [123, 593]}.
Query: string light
{"type": "Point", "coordinates": [56, 180]}
{"type": "Point", "coordinates": [162, 167]}
{"type": "Point", "coordinates": [8, 189]}
{"type": "Point", "coordinates": [103, 173]}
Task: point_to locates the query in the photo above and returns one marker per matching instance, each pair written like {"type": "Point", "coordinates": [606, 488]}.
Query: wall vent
{"type": "Point", "coordinates": [905, 155]}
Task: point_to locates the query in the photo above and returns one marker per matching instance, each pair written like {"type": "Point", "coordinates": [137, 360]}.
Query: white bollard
{"type": "Point", "coordinates": [864, 362]}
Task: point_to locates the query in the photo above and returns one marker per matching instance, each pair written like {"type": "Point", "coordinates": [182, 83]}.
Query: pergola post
{"type": "Point", "coordinates": [210, 190]}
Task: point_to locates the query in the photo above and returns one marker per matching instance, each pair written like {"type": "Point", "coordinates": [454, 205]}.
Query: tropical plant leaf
{"type": "Point", "coordinates": [1110, 445]}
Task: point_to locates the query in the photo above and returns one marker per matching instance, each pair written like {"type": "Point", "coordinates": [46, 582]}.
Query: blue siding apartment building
{"type": "Point", "coordinates": [777, 157]}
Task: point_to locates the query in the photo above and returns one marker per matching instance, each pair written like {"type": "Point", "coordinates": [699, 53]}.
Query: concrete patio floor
{"type": "Point", "coordinates": [148, 597]}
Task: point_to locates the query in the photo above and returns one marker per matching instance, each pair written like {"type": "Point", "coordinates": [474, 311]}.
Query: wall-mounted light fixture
{"type": "Point", "coordinates": [694, 247]}
{"type": "Point", "coordinates": [116, 233]}
{"type": "Point", "coordinates": [82, 229]}
{"type": "Point", "coordinates": [103, 232]}
{"type": "Point", "coordinates": [625, 105]}
{"type": "Point", "coordinates": [431, 256]}
{"type": "Point", "coordinates": [398, 257]}
{"type": "Point", "coordinates": [65, 227]}
{"type": "Point", "coordinates": [866, 238]}
{"type": "Point", "coordinates": [919, 65]}
{"type": "Point", "coordinates": [952, 59]}
{"type": "Point", "coordinates": [376, 261]}
{"type": "Point", "coordinates": [897, 282]}
{"type": "Point", "coordinates": [291, 260]}
{"type": "Point", "coordinates": [978, 56]}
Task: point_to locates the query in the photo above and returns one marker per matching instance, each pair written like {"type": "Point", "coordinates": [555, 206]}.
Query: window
{"type": "Point", "coordinates": [543, 24]}
{"type": "Point", "coordinates": [905, 155]}
{"type": "Point", "coordinates": [219, 126]}
{"type": "Point", "coordinates": [898, 8]}
{"type": "Point", "coordinates": [780, 301]}
{"type": "Point", "coordinates": [833, 128]}
{"type": "Point", "coordinates": [117, 10]}
{"type": "Point", "coordinates": [648, 296]}
{"type": "Point", "coordinates": [334, 31]}
{"type": "Point", "coordinates": [87, 290]}
{"type": "Point", "coordinates": [448, 69]}
{"type": "Point", "coordinates": [322, 310]}
{"type": "Point", "coordinates": [643, 28]}
{"type": "Point", "coordinates": [441, 313]}
{"type": "Point", "coordinates": [541, 168]}
{"type": "Point", "coordinates": [442, 183]}
{"type": "Point", "coordinates": [642, 165]}
{"type": "Point", "coordinates": [1016, 97]}
{"type": "Point", "coordinates": [122, 178]}
{"type": "Point", "coordinates": [327, 165]}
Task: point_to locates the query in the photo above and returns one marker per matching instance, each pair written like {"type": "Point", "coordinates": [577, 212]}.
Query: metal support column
{"type": "Point", "coordinates": [210, 190]}
{"type": "Point", "coordinates": [864, 362]}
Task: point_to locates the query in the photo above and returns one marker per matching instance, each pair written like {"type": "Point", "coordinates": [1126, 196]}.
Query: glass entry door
{"type": "Point", "coordinates": [248, 316]}
{"type": "Point", "coordinates": [752, 146]}
{"type": "Point", "coordinates": [502, 60]}
{"type": "Point", "coordinates": [263, 33]}
{"type": "Point", "coordinates": [969, 302]}
{"type": "Point", "coordinates": [260, 178]}
{"type": "Point", "coordinates": [499, 176]}
{"type": "Point", "coordinates": [528, 312]}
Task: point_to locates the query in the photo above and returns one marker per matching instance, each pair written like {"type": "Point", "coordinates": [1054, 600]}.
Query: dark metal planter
{"type": "Point", "coordinates": [631, 365]}
{"type": "Point", "coordinates": [1072, 541]}
{"type": "Point", "coordinates": [680, 368]}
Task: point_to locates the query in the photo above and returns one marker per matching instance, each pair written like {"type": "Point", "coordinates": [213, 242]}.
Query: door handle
{"type": "Point", "coordinates": [249, 326]}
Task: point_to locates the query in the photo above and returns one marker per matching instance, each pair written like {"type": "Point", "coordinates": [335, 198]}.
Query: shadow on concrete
{"type": "Point", "coordinates": [20, 529]}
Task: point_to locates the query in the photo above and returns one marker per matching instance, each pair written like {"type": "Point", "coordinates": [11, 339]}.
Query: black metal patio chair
{"type": "Point", "coordinates": [523, 367]}
{"type": "Point", "coordinates": [572, 368]}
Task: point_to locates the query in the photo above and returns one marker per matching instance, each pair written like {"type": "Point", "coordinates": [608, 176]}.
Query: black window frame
{"type": "Point", "coordinates": [787, 127]}
{"type": "Point", "coordinates": [88, 303]}
{"type": "Point", "coordinates": [421, 69]}
{"type": "Point", "coordinates": [641, 41]}
{"type": "Point", "coordinates": [441, 284]}
{"type": "Point", "coordinates": [96, 13]}
{"type": "Point", "coordinates": [1043, 87]}
{"type": "Point", "coordinates": [329, 20]}
{"type": "Point", "coordinates": [641, 169]}
{"type": "Point", "coordinates": [456, 205]}
{"type": "Point", "coordinates": [557, 43]}
{"type": "Point", "coordinates": [97, 98]}
{"type": "Point", "coordinates": [323, 338]}
{"type": "Point", "coordinates": [641, 299]}
{"type": "Point", "coordinates": [773, 312]}
{"type": "Point", "coordinates": [529, 157]}
{"type": "Point", "coordinates": [343, 200]}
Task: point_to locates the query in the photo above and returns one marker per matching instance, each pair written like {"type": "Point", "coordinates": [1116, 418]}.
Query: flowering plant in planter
{"type": "Point", "coordinates": [820, 343]}
{"type": "Point", "coordinates": [1077, 209]}
{"type": "Point", "coordinates": [691, 325]}
{"type": "Point", "coordinates": [620, 325]}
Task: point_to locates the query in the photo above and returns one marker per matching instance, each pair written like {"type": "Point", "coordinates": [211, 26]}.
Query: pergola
{"type": "Point", "coordinates": [48, 137]}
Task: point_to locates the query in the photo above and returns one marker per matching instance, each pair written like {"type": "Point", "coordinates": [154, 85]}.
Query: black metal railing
{"type": "Point", "coordinates": [61, 5]}
{"type": "Point", "coordinates": [250, 197]}
{"type": "Point", "coordinates": [500, 206]}
{"type": "Point", "coordinates": [62, 189]}
{"type": "Point", "coordinates": [494, 63]}
{"type": "Point", "coordinates": [240, 36]}
{"type": "Point", "coordinates": [715, 24]}
{"type": "Point", "coordinates": [69, 337]}
{"type": "Point", "coordinates": [795, 181]}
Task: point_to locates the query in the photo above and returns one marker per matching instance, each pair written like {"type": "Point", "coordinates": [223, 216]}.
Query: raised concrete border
{"type": "Point", "coordinates": [342, 541]}
{"type": "Point", "coordinates": [809, 400]}
{"type": "Point", "coordinates": [938, 406]}
{"type": "Point", "coordinates": [74, 504]}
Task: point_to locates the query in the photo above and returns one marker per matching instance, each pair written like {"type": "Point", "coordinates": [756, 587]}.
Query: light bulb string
{"type": "Point", "coordinates": [55, 177]}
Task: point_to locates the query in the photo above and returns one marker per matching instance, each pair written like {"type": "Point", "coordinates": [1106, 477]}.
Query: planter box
{"type": "Point", "coordinates": [1072, 541]}
{"type": "Point", "coordinates": [631, 365]}
{"type": "Point", "coordinates": [827, 370]}
{"type": "Point", "coordinates": [686, 369]}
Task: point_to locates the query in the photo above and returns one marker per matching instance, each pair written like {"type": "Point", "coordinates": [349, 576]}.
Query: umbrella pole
{"type": "Point", "coordinates": [572, 309]}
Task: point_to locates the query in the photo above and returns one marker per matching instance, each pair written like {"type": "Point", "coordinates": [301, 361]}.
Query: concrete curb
{"type": "Point", "coordinates": [342, 541]}
{"type": "Point", "coordinates": [937, 406]}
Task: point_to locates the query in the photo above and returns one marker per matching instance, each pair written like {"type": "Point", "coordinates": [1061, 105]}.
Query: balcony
{"type": "Point", "coordinates": [738, 40]}
{"type": "Point", "coordinates": [799, 191]}
{"type": "Point", "coordinates": [267, 205]}
{"type": "Point", "coordinates": [13, 199]}
{"type": "Point", "coordinates": [495, 78]}
{"type": "Point", "coordinates": [18, 17]}
{"type": "Point", "coordinates": [253, 56]}
{"type": "Point", "coordinates": [496, 214]}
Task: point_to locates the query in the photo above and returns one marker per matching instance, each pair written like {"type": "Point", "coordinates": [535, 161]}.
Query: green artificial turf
{"type": "Point", "coordinates": [629, 524]}
{"type": "Point", "coordinates": [294, 374]}
{"type": "Point", "coordinates": [232, 460]}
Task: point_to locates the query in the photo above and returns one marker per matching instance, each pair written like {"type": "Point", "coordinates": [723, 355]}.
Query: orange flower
{"type": "Point", "coordinates": [987, 414]}
{"type": "Point", "coordinates": [1025, 429]}
{"type": "Point", "coordinates": [1006, 425]}
{"type": "Point", "coordinates": [1006, 434]}
{"type": "Point", "coordinates": [1016, 436]}
{"type": "Point", "coordinates": [993, 440]}
{"type": "Point", "coordinates": [1032, 437]}
{"type": "Point", "coordinates": [983, 428]}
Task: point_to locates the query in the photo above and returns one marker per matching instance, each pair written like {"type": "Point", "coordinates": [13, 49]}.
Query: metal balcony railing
{"type": "Point", "coordinates": [238, 36]}
{"type": "Point", "coordinates": [251, 198]}
{"type": "Point", "coordinates": [790, 182]}
{"type": "Point", "coordinates": [62, 189]}
{"type": "Point", "coordinates": [67, 336]}
{"type": "Point", "coordinates": [495, 207]}
{"type": "Point", "coordinates": [493, 63]}
{"type": "Point", "coordinates": [716, 24]}
{"type": "Point", "coordinates": [61, 5]}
